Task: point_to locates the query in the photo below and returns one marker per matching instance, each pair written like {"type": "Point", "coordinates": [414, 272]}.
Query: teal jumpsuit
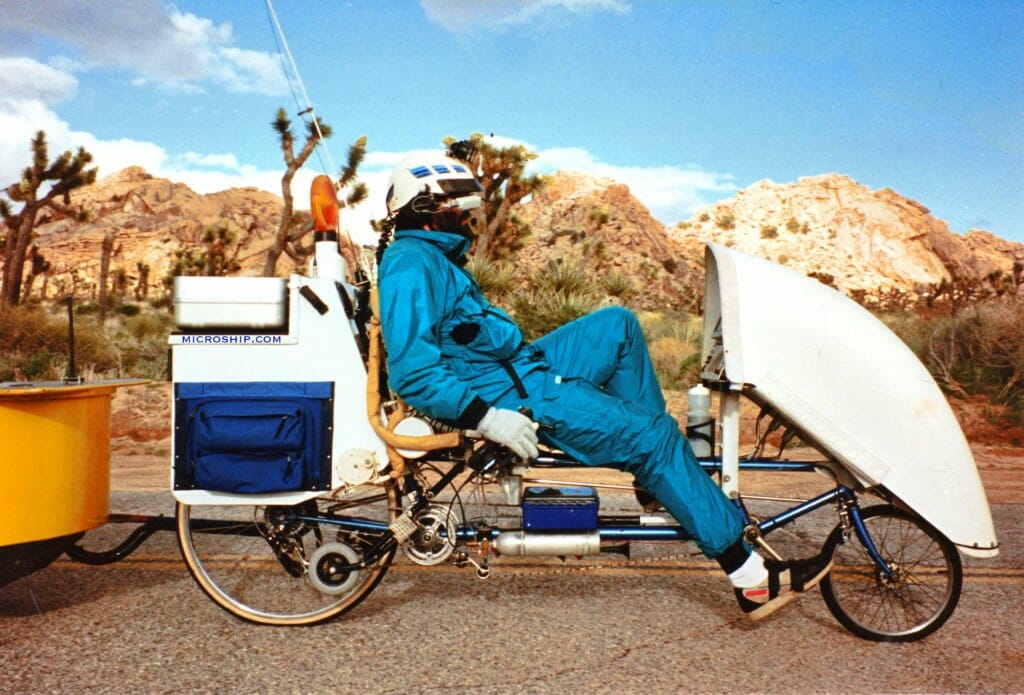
{"type": "Point", "coordinates": [590, 383]}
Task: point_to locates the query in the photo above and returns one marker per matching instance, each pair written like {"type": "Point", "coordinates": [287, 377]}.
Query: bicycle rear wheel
{"type": "Point", "coordinates": [260, 563]}
{"type": "Point", "coordinates": [915, 601]}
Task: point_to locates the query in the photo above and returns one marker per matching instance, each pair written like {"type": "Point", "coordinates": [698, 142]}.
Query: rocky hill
{"type": "Point", "coordinates": [863, 239]}
{"type": "Point", "coordinates": [150, 219]}
{"type": "Point", "coordinates": [827, 224]}
{"type": "Point", "coordinates": [596, 224]}
{"type": "Point", "coordinates": [860, 239]}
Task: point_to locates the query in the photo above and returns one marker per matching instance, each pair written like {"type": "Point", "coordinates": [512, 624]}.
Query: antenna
{"type": "Point", "coordinates": [72, 376]}
{"type": "Point", "coordinates": [306, 109]}
{"type": "Point", "coordinates": [305, 106]}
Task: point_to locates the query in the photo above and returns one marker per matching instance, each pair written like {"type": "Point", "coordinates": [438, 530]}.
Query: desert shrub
{"type": "Point", "coordinates": [34, 344]}
{"type": "Point", "coordinates": [675, 324]}
{"type": "Point", "coordinates": [140, 345]}
{"type": "Point", "coordinates": [94, 349]}
{"type": "Point", "coordinates": [676, 362]}
{"type": "Point", "coordinates": [146, 325]}
{"type": "Point", "coordinates": [38, 334]}
{"type": "Point", "coordinates": [559, 293]}
{"type": "Point", "coordinates": [616, 284]}
{"type": "Point", "coordinates": [824, 278]}
{"type": "Point", "coordinates": [43, 365]}
{"type": "Point", "coordinates": [165, 302]}
{"type": "Point", "coordinates": [22, 328]}
{"type": "Point", "coordinates": [566, 278]}
{"type": "Point", "coordinates": [673, 339]}
{"type": "Point", "coordinates": [497, 279]}
{"type": "Point", "coordinates": [982, 352]}
{"type": "Point", "coordinates": [912, 329]}
{"type": "Point", "coordinates": [795, 227]}
{"type": "Point", "coordinates": [143, 358]}
{"type": "Point", "coordinates": [538, 313]}
{"type": "Point", "coordinates": [977, 351]}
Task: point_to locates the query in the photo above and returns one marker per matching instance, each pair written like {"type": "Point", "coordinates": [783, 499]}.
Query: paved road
{"type": "Point", "coordinates": [664, 624]}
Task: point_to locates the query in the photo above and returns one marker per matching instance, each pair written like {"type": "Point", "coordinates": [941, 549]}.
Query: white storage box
{"type": "Point", "coordinates": [230, 302]}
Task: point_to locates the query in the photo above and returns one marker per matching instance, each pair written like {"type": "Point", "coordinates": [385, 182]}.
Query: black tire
{"type": "Point", "coordinates": [261, 575]}
{"type": "Point", "coordinates": [920, 597]}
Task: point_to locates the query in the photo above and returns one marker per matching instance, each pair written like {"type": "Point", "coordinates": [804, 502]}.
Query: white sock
{"type": "Point", "coordinates": [751, 573]}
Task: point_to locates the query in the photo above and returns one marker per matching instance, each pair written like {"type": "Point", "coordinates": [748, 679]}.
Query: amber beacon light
{"type": "Point", "coordinates": [323, 204]}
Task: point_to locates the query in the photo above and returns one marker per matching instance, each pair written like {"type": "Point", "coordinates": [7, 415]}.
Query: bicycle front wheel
{"type": "Point", "coordinates": [279, 565]}
{"type": "Point", "coordinates": [919, 596]}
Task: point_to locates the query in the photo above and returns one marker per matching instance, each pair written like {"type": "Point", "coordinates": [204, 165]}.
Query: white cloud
{"type": "Point", "coordinates": [19, 122]}
{"type": "Point", "coordinates": [467, 15]}
{"type": "Point", "coordinates": [249, 71]}
{"type": "Point", "coordinates": [156, 44]}
{"type": "Point", "coordinates": [226, 161]}
{"type": "Point", "coordinates": [21, 119]}
{"type": "Point", "coordinates": [672, 193]}
{"type": "Point", "coordinates": [25, 78]}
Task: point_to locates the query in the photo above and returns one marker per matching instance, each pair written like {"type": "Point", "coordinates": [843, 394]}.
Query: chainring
{"type": "Point", "coordinates": [434, 539]}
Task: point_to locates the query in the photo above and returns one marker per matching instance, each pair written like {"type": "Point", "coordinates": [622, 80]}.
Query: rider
{"type": "Point", "coordinates": [589, 384]}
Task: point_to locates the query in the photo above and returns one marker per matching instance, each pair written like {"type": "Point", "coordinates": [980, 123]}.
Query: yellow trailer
{"type": "Point", "coordinates": [54, 468]}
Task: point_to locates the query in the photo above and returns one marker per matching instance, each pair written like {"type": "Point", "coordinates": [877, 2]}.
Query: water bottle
{"type": "Point", "coordinates": [700, 425]}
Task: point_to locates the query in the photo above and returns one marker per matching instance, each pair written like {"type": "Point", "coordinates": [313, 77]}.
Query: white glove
{"type": "Point", "coordinates": [511, 429]}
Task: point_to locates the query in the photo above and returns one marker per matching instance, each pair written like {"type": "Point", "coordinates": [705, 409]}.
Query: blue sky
{"type": "Point", "coordinates": [686, 102]}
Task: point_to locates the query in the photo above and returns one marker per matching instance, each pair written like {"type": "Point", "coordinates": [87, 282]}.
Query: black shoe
{"type": "Point", "coordinates": [786, 580]}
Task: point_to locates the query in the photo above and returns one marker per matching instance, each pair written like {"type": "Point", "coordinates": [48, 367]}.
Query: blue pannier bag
{"type": "Point", "coordinates": [253, 438]}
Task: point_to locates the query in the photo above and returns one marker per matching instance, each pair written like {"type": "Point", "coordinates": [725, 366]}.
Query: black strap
{"type": "Point", "coordinates": [520, 389]}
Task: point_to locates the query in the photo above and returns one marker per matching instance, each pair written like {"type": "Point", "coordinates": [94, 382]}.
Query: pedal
{"type": "Point", "coordinates": [753, 535]}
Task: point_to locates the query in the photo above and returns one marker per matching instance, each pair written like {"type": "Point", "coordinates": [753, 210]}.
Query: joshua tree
{"type": "Point", "coordinates": [106, 249]}
{"type": "Point", "coordinates": [501, 172]}
{"type": "Point", "coordinates": [290, 230]}
{"type": "Point", "coordinates": [67, 172]}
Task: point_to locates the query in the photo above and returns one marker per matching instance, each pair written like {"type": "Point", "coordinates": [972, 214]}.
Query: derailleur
{"type": "Point", "coordinates": [283, 534]}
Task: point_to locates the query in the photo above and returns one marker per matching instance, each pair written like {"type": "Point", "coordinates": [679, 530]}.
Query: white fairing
{"type": "Point", "coordinates": [841, 375]}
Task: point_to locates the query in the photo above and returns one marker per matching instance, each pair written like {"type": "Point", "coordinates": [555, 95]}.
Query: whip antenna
{"type": "Point", "coordinates": [305, 106]}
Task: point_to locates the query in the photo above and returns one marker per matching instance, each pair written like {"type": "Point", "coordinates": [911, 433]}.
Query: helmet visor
{"type": "Point", "coordinates": [458, 187]}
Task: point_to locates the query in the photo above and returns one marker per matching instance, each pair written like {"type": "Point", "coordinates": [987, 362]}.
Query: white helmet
{"type": "Point", "coordinates": [428, 182]}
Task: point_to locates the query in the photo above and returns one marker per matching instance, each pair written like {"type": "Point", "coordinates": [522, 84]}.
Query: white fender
{"type": "Point", "coordinates": [840, 374]}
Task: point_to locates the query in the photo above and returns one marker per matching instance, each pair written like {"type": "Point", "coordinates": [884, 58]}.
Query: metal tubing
{"type": "Point", "coordinates": [345, 522]}
{"type": "Point", "coordinates": [730, 409]}
{"type": "Point", "coordinates": [807, 507]}
{"type": "Point", "coordinates": [862, 534]}
{"type": "Point", "coordinates": [643, 533]}
{"type": "Point", "coordinates": [714, 463]}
